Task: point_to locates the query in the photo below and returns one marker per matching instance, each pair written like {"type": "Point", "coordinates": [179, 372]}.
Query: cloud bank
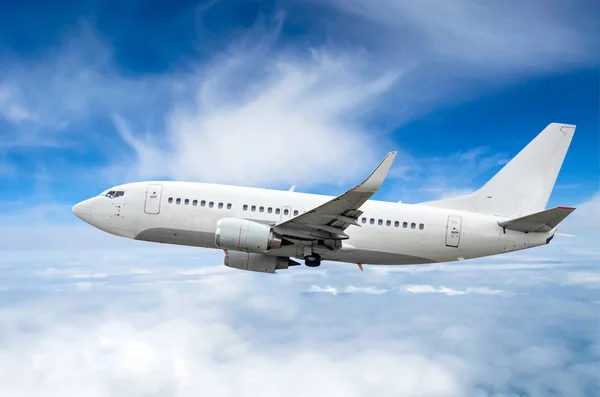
{"type": "Point", "coordinates": [154, 322]}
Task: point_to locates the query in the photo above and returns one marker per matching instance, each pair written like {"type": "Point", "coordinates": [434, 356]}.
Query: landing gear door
{"type": "Point", "coordinates": [153, 194]}
{"type": "Point", "coordinates": [453, 231]}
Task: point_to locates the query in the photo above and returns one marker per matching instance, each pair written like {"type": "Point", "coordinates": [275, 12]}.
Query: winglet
{"type": "Point", "coordinates": [292, 188]}
{"type": "Point", "coordinates": [375, 180]}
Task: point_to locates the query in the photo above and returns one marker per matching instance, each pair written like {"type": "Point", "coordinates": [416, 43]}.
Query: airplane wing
{"type": "Point", "coordinates": [543, 221]}
{"type": "Point", "coordinates": [329, 220]}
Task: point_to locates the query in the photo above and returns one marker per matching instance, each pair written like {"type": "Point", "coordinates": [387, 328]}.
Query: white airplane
{"type": "Point", "coordinates": [262, 230]}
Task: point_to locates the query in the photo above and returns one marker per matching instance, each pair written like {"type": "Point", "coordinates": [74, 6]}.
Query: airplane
{"type": "Point", "coordinates": [265, 230]}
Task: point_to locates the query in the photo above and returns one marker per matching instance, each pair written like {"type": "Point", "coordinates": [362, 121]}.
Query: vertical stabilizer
{"type": "Point", "coordinates": [523, 186]}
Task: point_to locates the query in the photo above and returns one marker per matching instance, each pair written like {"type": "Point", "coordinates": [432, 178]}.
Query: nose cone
{"type": "Point", "coordinates": [83, 210]}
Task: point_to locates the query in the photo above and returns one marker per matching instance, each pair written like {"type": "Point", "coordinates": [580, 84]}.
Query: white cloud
{"type": "Point", "coordinates": [350, 289]}
{"type": "Point", "coordinates": [251, 114]}
{"type": "Point", "coordinates": [298, 124]}
{"type": "Point", "coordinates": [429, 178]}
{"type": "Point", "coordinates": [476, 38]}
{"type": "Point", "coordinates": [584, 219]}
{"type": "Point", "coordinates": [179, 338]}
{"type": "Point", "coordinates": [11, 105]}
{"type": "Point", "coordinates": [179, 327]}
{"type": "Point", "coordinates": [429, 289]}
{"type": "Point", "coordinates": [262, 113]}
{"type": "Point", "coordinates": [73, 82]}
{"type": "Point", "coordinates": [484, 291]}
{"type": "Point", "coordinates": [584, 278]}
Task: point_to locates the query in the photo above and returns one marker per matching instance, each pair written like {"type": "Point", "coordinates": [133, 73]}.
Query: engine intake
{"type": "Point", "coordinates": [244, 235]}
{"type": "Point", "coordinates": [257, 262]}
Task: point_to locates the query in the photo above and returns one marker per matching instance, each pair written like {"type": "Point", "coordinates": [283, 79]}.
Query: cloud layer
{"type": "Point", "coordinates": [155, 322]}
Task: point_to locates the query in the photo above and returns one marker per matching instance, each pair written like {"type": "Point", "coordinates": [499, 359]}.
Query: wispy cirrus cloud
{"type": "Point", "coordinates": [481, 37]}
{"type": "Point", "coordinates": [308, 99]}
{"type": "Point", "coordinates": [218, 119]}
{"type": "Point", "coordinates": [12, 107]}
{"type": "Point", "coordinates": [428, 178]}
{"type": "Point", "coordinates": [44, 97]}
{"type": "Point", "coordinates": [305, 108]}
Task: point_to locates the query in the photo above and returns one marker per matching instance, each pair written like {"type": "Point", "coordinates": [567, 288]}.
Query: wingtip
{"type": "Point", "coordinates": [376, 178]}
{"type": "Point", "coordinates": [566, 129]}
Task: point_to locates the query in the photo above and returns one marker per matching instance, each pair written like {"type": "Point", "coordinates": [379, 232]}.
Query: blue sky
{"type": "Point", "coordinates": [274, 93]}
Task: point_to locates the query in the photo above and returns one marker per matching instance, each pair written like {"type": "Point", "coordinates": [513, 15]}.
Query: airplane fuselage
{"type": "Point", "coordinates": [388, 233]}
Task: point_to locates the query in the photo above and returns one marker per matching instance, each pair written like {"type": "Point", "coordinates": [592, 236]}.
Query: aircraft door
{"type": "Point", "coordinates": [153, 195]}
{"type": "Point", "coordinates": [286, 212]}
{"type": "Point", "coordinates": [453, 230]}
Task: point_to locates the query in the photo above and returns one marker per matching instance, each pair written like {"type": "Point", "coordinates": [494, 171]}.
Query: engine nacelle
{"type": "Point", "coordinates": [257, 262]}
{"type": "Point", "coordinates": [244, 235]}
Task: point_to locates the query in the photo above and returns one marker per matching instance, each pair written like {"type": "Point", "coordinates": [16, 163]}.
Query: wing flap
{"type": "Point", "coordinates": [543, 221]}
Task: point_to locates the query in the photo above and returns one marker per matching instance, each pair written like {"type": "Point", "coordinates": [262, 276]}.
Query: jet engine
{"type": "Point", "coordinates": [257, 262]}
{"type": "Point", "coordinates": [244, 235]}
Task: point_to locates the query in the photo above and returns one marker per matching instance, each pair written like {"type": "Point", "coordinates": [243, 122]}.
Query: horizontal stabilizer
{"type": "Point", "coordinates": [540, 221]}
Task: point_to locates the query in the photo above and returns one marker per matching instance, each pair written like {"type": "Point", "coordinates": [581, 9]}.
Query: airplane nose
{"type": "Point", "coordinates": [83, 211]}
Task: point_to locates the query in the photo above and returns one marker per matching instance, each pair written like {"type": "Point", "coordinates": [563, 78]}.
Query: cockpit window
{"type": "Point", "coordinates": [114, 193]}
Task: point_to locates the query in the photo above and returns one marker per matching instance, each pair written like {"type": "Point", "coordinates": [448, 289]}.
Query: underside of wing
{"type": "Point", "coordinates": [330, 220]}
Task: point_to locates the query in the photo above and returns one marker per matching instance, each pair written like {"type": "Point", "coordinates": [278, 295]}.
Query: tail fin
{"type": "Point", "coordinates": [523, 186]}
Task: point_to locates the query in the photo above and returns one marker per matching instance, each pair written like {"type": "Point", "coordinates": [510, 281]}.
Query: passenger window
{"type": "Point", "coordinates": [178, 201]}
{"type": "Point", "coordinates": [380, 222]}
{"type": "Point", "coordinates": [413, 225]}
{"type": "Point", "coordinates": [286, 211]}
{"type": "Point", "coordinates": [187, 201]}
{"type": "Point", "coordinates": [195, 203]}
{"type": "Point", "coordinates": [372, 221]}
{"type": "Point", "coordinates": [228, 206]}
{"type": "Point", "coordinates": [270, 210]}
{"type": "Point", "coordinates": [170, 200]}
{"type": "Point", "coordinates": [253, 208]}
{"type": "Point", "coordinates": [388, 223]}
{"type": "Point", "coordinates": [277, 211]}
{"type": "Point", "coordinates": [211, 204]}
{"type": "Point", "coordinates": [421, 226]}
{"type": "Point", "coordinates": [396, 224]}
{"type": "Point", "coordinates": [364, 220]}
{"type": "Point", "coordinates": [220, 205]}
{"type": "Point", "coordinates": [245, 207]}
{"type": "Point", "coordinates": [295, 212]}
{"type": "Point", "coordinates": [405, 224]}
{"type": "Point", "coordinates": [261, 209]}
{"type": "Point", "coordinates": [202, 203]}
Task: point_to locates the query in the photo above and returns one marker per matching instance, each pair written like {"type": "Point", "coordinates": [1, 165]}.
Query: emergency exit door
{"type": "Point", "coordinates": [453, 231]}
{"type": "Point", "coordinates": [153, 194]}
